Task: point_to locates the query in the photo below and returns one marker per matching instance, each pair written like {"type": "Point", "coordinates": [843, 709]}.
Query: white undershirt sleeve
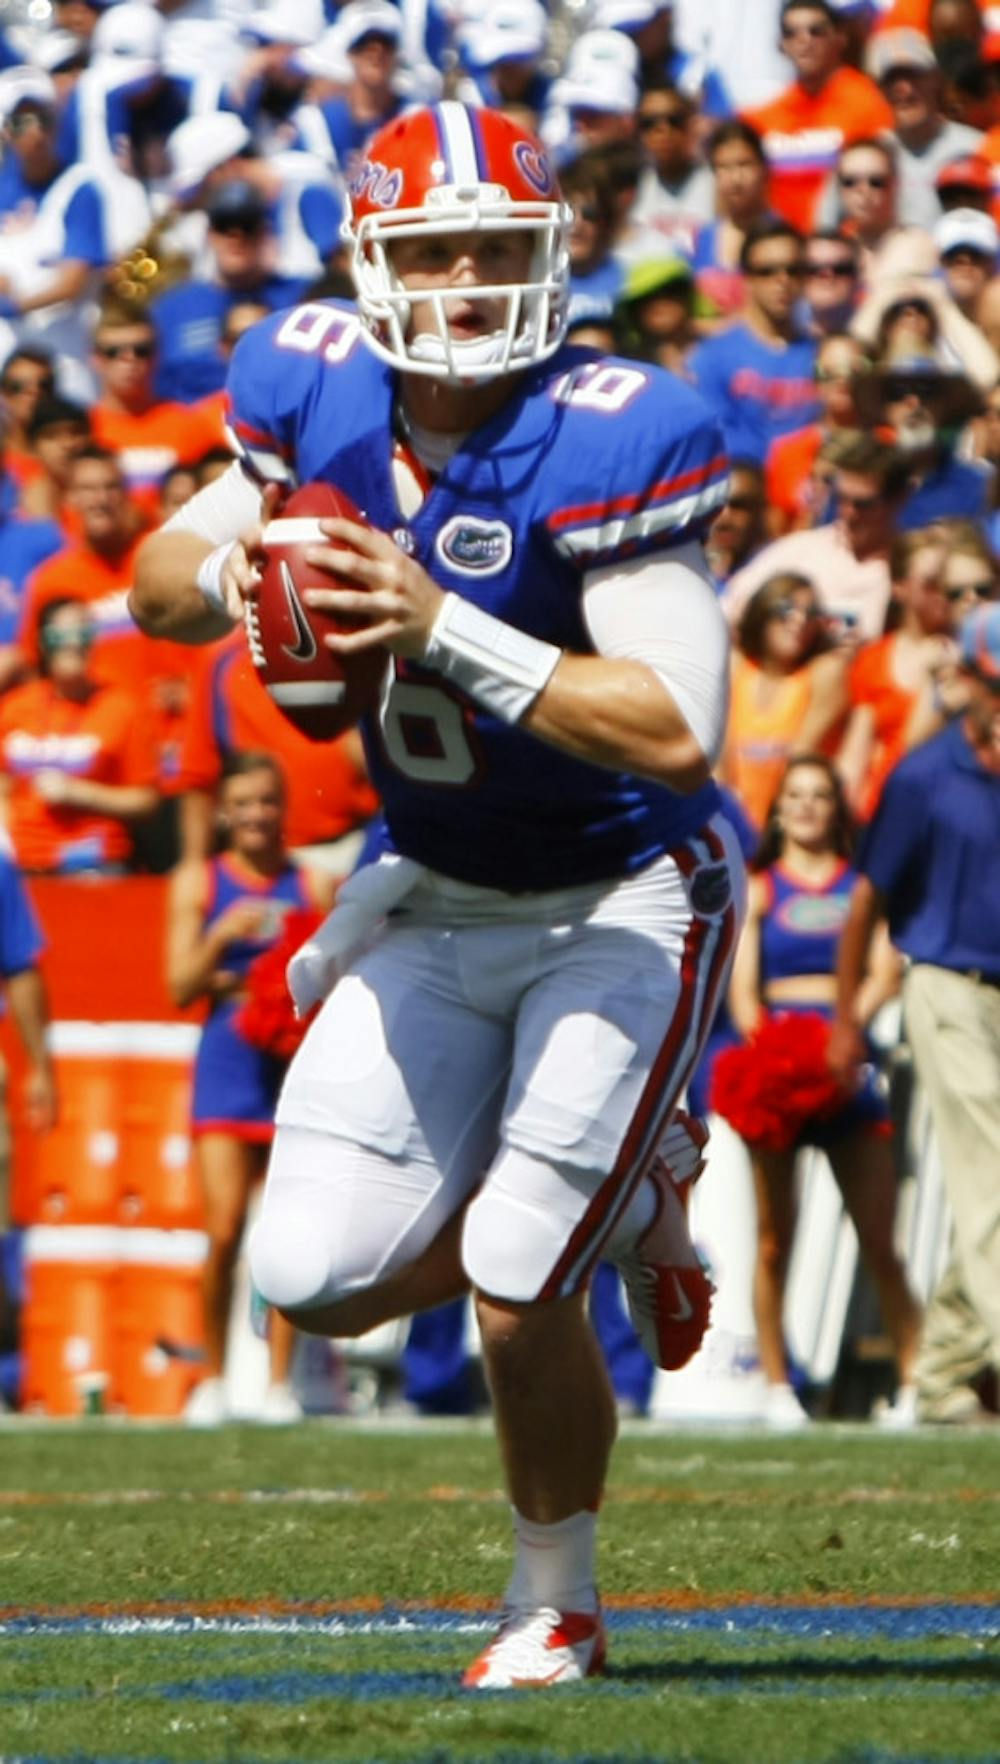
{"type": "Point", "coordinates": [664, 611]}
{"type": "Point", "coordinates": [222, 511]}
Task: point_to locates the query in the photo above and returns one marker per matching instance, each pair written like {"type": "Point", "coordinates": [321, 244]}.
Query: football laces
{"type": "Point", "coordinates": [255, 642]}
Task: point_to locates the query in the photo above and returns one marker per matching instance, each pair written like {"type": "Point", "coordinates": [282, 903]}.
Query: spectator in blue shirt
{"type": "Point", "coordinates": [929, 864]}
{"type": "Point", "coordinates": [927, 406]}
{"type": "Point", "coordinates": [759, 373]}
{"type": "Point", "coordinates": [370, 32]}
{"type": "Point", "coordinates": [24, 544]}
{"type": "Point", "coordinates": [189, 318]}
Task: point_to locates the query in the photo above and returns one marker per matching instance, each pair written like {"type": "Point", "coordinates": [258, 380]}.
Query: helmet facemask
{"type": "Point", "coordinates": [535, 310]}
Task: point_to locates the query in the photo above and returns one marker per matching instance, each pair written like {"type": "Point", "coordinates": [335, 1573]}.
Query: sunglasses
{"type": "Point", "coordinates": [767, 270]}
{"type": "Point", "coordinates": [744, 504]}
{"type": "Point", "coordinates": [56, 640]}
{"type": "Point", "coordinates": [981, 590]}
{"type": "Point", "coordinates": [23, 120]}
{"type": "Point", "coordinates": [790, 32]}
{"type": "Point", "coordinates": [828, 272]}
{"type": "Point", "coordinates": [667, 119]}
{"type": "Point", "coordinates": [248, 227]}
{"type": "Point", "coordinates": [873, 180]}
{"type": "Point", "coordinates": [836, 376]}
{"type": "Point", "coordinates": [787, 609]}
{"type": "Point", "coordinates": [862, 503]}
{"type": "Point", "coordinates": [15, 386]}
{"type": "Point", "coordinates": [587, 211]}
{"type": "Point", "coordinates": [114, 351]}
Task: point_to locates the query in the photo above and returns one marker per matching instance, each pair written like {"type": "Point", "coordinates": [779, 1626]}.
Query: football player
{"type": "Point", "coordinates": [489, 1096]}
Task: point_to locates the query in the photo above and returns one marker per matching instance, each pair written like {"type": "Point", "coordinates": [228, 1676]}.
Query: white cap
{"type": "Point", "coordinates": [366, 18]}
{"type": "Point", "coordinates": [127, 43]}
{"type": "Point", "coordinates": [200, 144]}
{"type": "Point", "coordinates": [510, 29]}
{"type": "Point", "coordinates": [605, 87]}
{"type": "Point", "coordinates": [326, 59]}
{"type": "Point", "coordinates": [57, 49]}
{"type": "Point", "coordinates": [902, 48]}
{"type": "Point", "coordinates": [595, 51]}
{"type": "Point", "coordinates": [968, 227]}
{"type": "Point", "coordinates": [298, 22]}
{"type": "Point", "coordinates": [24, 85]}
{"type": "Point", "coordinates": [624, 15]}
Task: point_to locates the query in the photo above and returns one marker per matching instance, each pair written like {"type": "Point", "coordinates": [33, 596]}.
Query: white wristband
{"type": "Point", "coordinates": [501, 668]}
{"type": "Point", "coordinates": [209, 578]}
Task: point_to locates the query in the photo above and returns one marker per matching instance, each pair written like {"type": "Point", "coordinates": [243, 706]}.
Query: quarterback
{"type": "Point", "coordinates": [516, 991]}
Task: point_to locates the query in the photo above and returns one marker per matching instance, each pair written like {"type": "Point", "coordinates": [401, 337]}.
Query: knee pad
{"type": "Point", "coordinates": [519, 1224]}
{"type": "Point", "coordinates": [289, 1264]}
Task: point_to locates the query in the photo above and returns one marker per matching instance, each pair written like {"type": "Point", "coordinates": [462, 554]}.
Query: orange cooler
{"type": "Point", "coordinates": [72, 1173]}
{"type": "Point", "coordinates": [67, 1333]}
{"type": "Point", "coordinates": [157, 1185]}
{"type": "Point", "coordinates": [158, 1320]}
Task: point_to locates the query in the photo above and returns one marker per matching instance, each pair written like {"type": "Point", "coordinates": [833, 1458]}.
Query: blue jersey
{"type": "Point", "coordinates": [758, 390]}
{"type": "Point", "coordinates": [592, 461]}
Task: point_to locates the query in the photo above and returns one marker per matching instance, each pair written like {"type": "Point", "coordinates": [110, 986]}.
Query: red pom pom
{"type": "Point", "coordinates": [770, 1086]}
{"type": "Point", "coordinates": [267, 1017]}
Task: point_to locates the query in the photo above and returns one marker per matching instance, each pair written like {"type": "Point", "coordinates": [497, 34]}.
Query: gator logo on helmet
{"type": "Point", "coordinates": [534, 166]}
{"type": "Point", "coordinates": [475, 547]}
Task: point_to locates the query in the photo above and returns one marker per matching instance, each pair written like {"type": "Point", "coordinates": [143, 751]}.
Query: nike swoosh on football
{"type": "Point", "coordinates": [304, 650]}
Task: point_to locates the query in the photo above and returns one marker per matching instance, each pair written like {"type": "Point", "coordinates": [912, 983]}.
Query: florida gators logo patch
{"type": "Point", "coordinates": [475, 547]}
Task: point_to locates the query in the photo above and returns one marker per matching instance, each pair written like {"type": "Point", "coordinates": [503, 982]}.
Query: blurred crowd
{"type": "Point", "coordinates": [793, 204]}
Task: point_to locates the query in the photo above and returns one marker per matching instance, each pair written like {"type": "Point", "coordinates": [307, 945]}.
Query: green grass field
{"type": "Point", "coordinates": [313, 1594]}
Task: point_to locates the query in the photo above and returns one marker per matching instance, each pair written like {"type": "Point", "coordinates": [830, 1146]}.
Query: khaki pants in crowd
{"type": "Point", "coordinates": [953, 1025]}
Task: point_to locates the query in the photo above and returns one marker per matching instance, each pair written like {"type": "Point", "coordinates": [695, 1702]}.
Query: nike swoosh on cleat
{"type": "Point", "coordinates": [685, 1311]}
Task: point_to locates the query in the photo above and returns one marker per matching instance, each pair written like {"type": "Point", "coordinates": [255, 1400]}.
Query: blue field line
{"type": "Point", "coordinates": [852, 1622]}
{"type": "Point", "coordinates": [821, 1680]}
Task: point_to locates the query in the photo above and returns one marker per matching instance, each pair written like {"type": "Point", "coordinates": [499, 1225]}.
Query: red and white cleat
{"type": "Point", "coordinates": [534, 1649]}
{"type": "Point", "coordinates": [669, 1292]}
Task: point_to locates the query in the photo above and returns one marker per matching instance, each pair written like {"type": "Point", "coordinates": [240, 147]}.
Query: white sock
{"type": "Point", "coordinates": [636, 1219]}
{"type": "Point", "coordinates": [554, 1564]}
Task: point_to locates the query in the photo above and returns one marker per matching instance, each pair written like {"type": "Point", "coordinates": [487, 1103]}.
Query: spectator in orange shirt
{"type": "Point", "coordinates": [788, 692]}
{"type": "Point", "coordinates": [828, 104]}
{"type": "Point", "coordinates": [77, 758]}
{"type": "Point", "coordinates": [26, 377]}
{"type": "Point", "coordinates": [329, 796]}
{"type": "Point", "coordinates": [98, 569]}
{"type": "Point", "coordinates": [148, 434]}
{"type": "Point", "coordinates": [98, 572]}
{"type": "Point", "coordinates": [57, 430]}
{"type": "Point", "coordinates": [798, 487]}
{"type": "Point", "coordinates": [888, 676]}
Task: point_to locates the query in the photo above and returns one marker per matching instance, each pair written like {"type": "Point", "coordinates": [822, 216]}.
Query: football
{"type": "Point", "coordinates": [323, 694]}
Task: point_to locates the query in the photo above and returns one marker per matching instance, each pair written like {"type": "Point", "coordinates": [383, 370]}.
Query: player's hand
{"type": "Point", "coordinates": [845, 1052]}
{"type": "Point", "coordinates": [393, 594]}
{"type": "Point", "coordinates": [241, 571]}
